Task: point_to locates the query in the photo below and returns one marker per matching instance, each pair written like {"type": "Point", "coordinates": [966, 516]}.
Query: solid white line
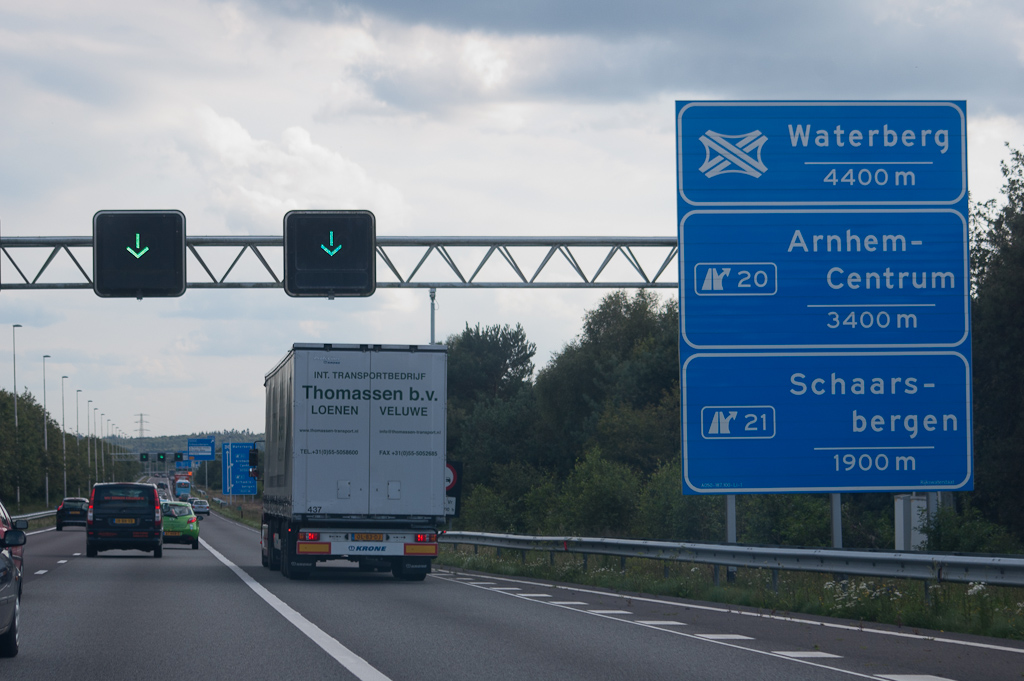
{"type": "Point", "coordinates": [359, 667]}
{"type": "Point", "coordinates": [565, 602]}
{"type": "Point", "coordinates": [804, 653]}
{"type": "Point", "coordinates": [912, 677]}
{"type": "Point", "coordinates": [610, 612]}
{"type": "Point", "coordinates": [534, 595]}
{"type": "Point", "coordinates": [662, 623]}
{"type": "Point", "coordinates": [46, 529]}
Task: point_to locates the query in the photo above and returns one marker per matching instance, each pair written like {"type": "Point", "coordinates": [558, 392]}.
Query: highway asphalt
{"type": "Point", "coordinates": [216, 613]}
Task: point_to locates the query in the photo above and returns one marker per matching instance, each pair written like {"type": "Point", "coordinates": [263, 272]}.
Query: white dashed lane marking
{"type": "Point", "coordinates": [805, 654]}
{"type": "Point", "coordinates": [506, 588]}
{"type": "Point", "coordinates": [565, 602]}
{"type": "Point", "coordinates": [41, 572]}
{"type": "Point", "coordinates": [534, 595]}
{"type": "Point", "coordinates": [725, 637]}
{"type": "Point", "coordinates": [662, 623]}
{"type": "Point", "coordinates": [61, 562]}
{"type": "Point", "coordinates": [610, 612]}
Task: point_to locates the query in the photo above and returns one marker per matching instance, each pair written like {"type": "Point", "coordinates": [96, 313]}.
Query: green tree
{"type": "Point", "coordinates": [998, 363]}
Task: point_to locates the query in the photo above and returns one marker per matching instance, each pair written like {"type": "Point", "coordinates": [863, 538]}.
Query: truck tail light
{"type": "Point", "coordinates": [426, 537]}
{"type": "Point", "coordinates": [309, 536]}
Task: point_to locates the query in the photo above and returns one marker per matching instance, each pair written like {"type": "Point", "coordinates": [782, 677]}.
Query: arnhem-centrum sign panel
{"type": "Point", "coordinates": [824, 296]}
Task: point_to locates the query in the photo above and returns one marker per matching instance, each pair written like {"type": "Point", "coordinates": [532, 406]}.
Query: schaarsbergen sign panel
{"type": "Point", "coordinates": [824, 296]}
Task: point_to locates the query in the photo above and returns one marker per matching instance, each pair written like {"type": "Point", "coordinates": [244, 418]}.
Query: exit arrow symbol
{"type": "Point", "coordinates": [327, 250]}
{"type": "Point", "coordinates": [137, 254]}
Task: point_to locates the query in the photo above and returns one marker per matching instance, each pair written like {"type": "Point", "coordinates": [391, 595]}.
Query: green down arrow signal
{"type": "Point", "coordinates": [327, 250]}
{"type": "Point", "coordinates": [137, 253]}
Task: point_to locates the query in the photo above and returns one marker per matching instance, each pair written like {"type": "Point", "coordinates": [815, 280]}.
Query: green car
{"type": "Point", "coordinates": [181, 525]}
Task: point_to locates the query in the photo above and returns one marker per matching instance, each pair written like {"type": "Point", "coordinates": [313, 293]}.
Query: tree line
{"type": "Point", "coordinates": [30, 462]}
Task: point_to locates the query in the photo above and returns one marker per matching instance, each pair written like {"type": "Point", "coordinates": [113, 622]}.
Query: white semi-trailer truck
{"type": "Point", "coordinates": [355, 459]}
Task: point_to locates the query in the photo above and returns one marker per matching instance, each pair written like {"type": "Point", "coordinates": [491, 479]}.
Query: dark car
{"type": "Point", "coordinates": [124, 515]}
{"type": "Point", "coordinates": [12, 539]}
{"type": "Point", "coordinates": [72, 511]}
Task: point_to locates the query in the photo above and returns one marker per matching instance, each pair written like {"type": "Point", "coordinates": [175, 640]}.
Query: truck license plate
{"type": "Point", "coordinates": [367, 537]}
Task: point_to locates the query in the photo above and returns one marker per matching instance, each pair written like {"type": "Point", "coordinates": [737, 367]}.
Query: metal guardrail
{"type": "Point", "coordinates": [991, 569]}
{"type": "Point", "coordinates": [34, 516]}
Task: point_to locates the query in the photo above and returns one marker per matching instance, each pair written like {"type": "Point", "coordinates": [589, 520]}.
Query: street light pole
{"type": "Point", "coordinates": [88, 443]}
{"type": "Point", "coordinates": [103, 458]}
{"type": "Point", "coordinates": [64, 433]}
{"type": "Point", "coordinates": [46, 446]}
{"type": "Point", "coordinates": [96, 447]}
{"type": "Point", "coordinates": [17, 461]}
{"type": "Point", "coordinates": [14, 359]}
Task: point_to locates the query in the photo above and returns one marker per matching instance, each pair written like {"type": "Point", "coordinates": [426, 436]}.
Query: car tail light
{"type": "Point", "coordinates": [426, 537]}
{"type": "Point", "coordinates": [88, 516]}
{"type": "Point", "coordinates": [192, 519]}
{"type": "Point", "coordinates": [309, 536]}
{"type": "Point", "coordinates": [157, 518]}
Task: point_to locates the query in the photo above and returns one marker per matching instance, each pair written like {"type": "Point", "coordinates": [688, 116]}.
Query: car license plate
{"type": "Point", "coordinates": [124, 521]}
{"type": "Point", "coordinates": [74, 513]}
{"type": "Point", "coordinates": [367, 537]}
{"type": "Point", "coordinates": [172, 534]}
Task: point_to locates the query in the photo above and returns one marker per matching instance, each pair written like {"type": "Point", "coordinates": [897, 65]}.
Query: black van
{"type": "Point", "coordinates": [124, 515]}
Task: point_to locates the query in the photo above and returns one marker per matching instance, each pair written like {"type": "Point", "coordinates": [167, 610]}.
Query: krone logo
{"type": "Point", "coordinates": [732, 153]}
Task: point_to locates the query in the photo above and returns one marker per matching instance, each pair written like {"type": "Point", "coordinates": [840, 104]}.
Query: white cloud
{"type": "Point", "coordinates": [254, 182]}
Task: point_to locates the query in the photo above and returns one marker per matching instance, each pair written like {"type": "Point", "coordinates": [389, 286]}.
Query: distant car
{"type": "Point", "coordinates": [201, 507]}
{"type": "Point", "coordinates": [161, 485]}
{"type": "Point", "coordinates": [124, 515]}
{"type": "Point", "coordinates": [12, 539]}
{"type": "Point", "coordinates": [72, 511]}
{"type": "Point", "coordinates": [181, 526]}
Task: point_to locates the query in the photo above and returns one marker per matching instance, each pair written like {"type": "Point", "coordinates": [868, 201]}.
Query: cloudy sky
{"type": "Point", "coordinates": [451, 117]}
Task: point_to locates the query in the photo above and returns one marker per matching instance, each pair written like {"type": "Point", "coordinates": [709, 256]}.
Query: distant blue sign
{"type": "Point", "coordinates": [200, 449]}
{"type": "Point", "coordinates": [235, 469]}
{"type": "Point", "coordinates": [803, 422]}
{"type": "Point", "coordinates": [843, 278]}
{"type": "Point", "coordinates": [821, 153]}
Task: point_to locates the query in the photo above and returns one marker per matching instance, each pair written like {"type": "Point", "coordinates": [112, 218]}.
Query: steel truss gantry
{"type": "Point", "coordinates": [402, 262]}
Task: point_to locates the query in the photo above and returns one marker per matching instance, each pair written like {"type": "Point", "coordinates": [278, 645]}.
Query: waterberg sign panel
{"type": "Point", "coordinates": [821, 153]}
{"type": "Point", "coordinates": [235, 469]}
{"type": "Point", "coordinates": [825, 341]}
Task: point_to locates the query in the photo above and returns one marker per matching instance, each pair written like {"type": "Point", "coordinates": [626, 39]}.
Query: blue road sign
{"type": "Point", "coordinates": [200, 449]}
{"type": "Point", "coordinates": [803, 422]}
{"type": "Point", "coordinates": [235, 469]}
{"type": "Point", "coordinates": [835, 227]}
{"type": "Point", "coordinates": [824, 279]}
{"type": "Point", "coordinates": [822, 153]}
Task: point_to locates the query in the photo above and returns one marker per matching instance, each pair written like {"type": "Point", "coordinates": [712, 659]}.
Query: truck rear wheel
{"type": "Point", "coordinates": [273, 555]}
